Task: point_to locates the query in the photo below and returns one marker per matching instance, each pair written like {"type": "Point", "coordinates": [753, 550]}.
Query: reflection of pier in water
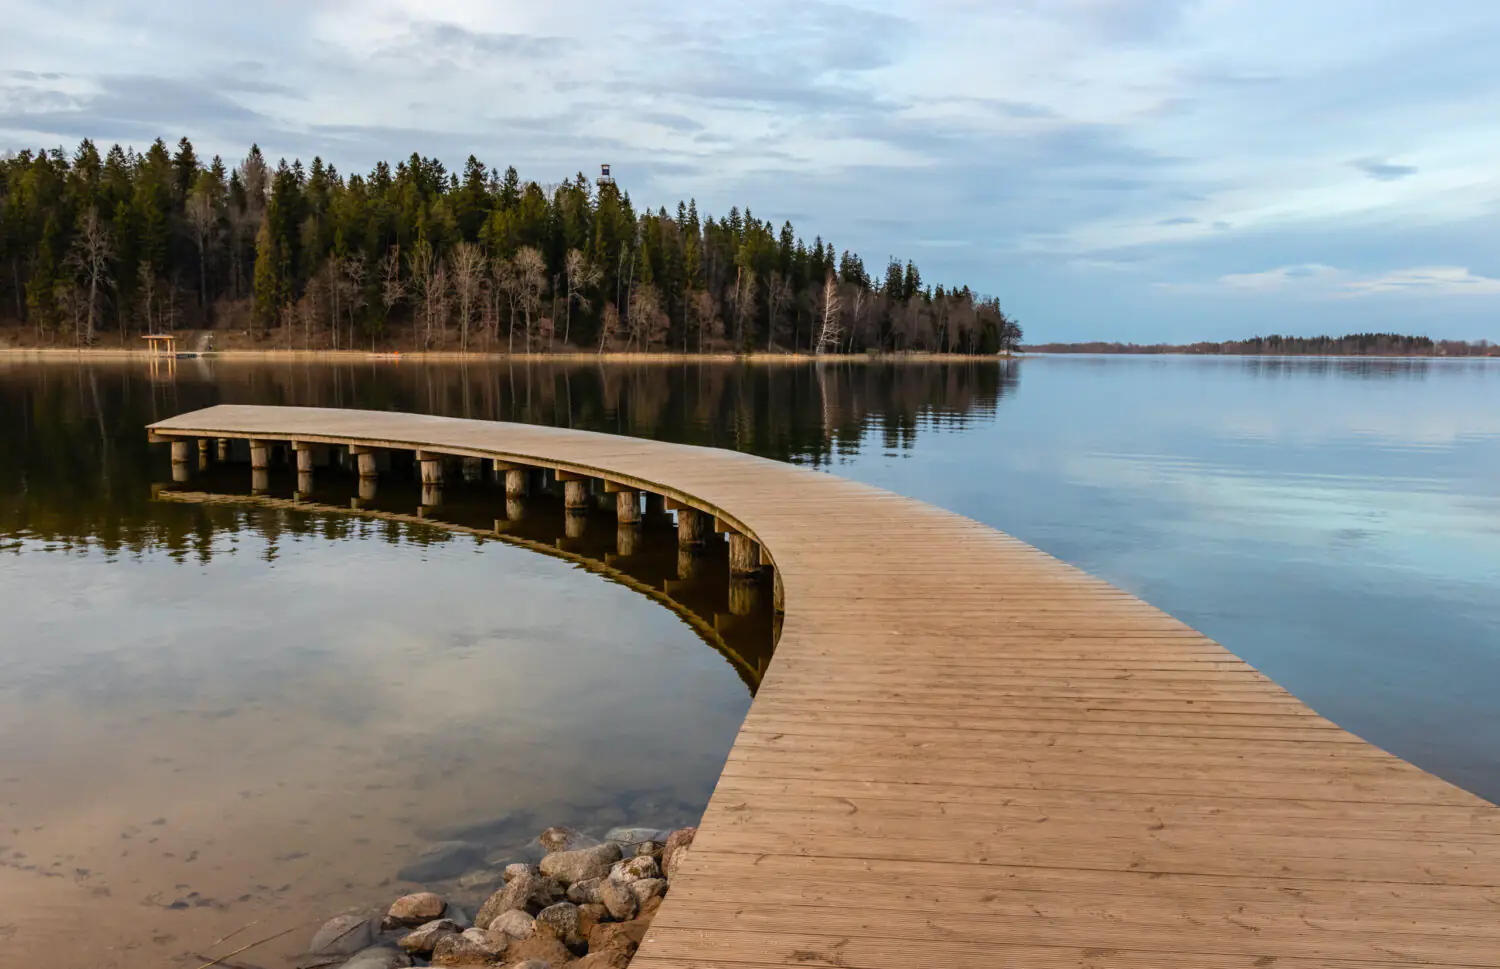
{"type": "Point", "coordinates": [728, 608]}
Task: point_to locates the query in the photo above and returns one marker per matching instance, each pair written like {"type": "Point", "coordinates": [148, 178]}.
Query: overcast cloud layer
{"type": "Point", "coordinates": [1112, 169]}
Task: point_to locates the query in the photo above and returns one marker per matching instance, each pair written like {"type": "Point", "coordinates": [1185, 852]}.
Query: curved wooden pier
{"type": "Point", "coordinates": [966, 753]}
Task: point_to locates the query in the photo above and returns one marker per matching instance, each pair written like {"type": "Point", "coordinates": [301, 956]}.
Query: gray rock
{"type": "Point", "coordinates": [379, 957]}
{"type": "Point", "coordinates": [635, 835]}
{"type": "Point", "coordinates": [574, 866]}
{"type": "Point", "coordinates": [344, 935]}
{"type": "Point", "coordinates": [458, 916]}
{"type": "Point", "coordinates": [462, 950]}
{"type": "Point", "coordinates": [648, 888]}
{"type": "Point", "coordinates": [619, 898]}
{"type": "Point", "coordinates": [483, 938]}
{"type": "Point", "coordinates": [511, 872]}
{"type": "Point", "coordinates": [514, 924]}
{"type": "Point", "coordinates": [565, 839]}
{"type": "Point", "coordinates": [652, 848]}
{"type": "Point", "coordinates": [635, 869]}
{"type": "Point", "coordinates": [417, 909]}
{"type": "Point", "coordinates": [425, 937]}
{"type": "Point", "coordinates": [562, 918]}
{"type": "Point", "coordinates": [584, 892]}
{"type": "Point", "coordinates": [678, 843]}
{"type": "Point", "coordinates": [528, 891]}
{"type": "Point", "coordinates": [446, 859]}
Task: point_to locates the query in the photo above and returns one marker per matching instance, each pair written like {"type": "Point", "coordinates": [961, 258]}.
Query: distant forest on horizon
{"type": "Point", "coordinates": [1351, 345]}
{"type": "Point", "coordinates": [414, 256]}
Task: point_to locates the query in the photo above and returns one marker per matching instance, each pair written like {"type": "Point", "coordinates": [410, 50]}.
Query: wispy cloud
{"type": "Point", "coordinates": [1383, 171]}
{"type": "Point", "coordinates": [1319, 281]}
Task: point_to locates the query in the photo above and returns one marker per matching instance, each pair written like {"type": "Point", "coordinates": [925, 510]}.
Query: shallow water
{"type": "Point", "coordinates": [250, 712]}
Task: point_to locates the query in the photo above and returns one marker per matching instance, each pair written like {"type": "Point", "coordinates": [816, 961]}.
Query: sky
{"type": "Point", "coordinates": [1133, 170]}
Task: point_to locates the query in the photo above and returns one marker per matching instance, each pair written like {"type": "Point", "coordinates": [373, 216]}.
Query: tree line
{"type": "Point", "coordinates": [417, 257]}
{"type": "Point", "coordinates": [1349, 345]}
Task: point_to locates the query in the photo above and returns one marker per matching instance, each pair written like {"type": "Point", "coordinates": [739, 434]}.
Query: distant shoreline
{"type": "Point", "coordinates": [61, 354]}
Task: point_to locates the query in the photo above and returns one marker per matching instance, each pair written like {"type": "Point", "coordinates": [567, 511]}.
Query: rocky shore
{"type": "Point", "coordinates": [585, 904]}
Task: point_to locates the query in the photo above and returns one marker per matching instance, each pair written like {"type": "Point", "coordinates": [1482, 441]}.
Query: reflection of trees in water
{"type": "Point", "coordinates": [74, 462]}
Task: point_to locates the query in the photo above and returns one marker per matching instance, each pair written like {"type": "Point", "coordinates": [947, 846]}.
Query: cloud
{"type": "Point", "coordinates": [1383, 171]}
{"type": "Point", "coordinates": [1322, 281]}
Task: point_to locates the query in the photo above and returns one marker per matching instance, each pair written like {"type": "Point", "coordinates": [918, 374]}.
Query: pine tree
{"type": "Point", "coordinates": [268, 300]}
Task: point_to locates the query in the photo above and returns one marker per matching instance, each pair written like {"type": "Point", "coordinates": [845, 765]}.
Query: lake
{"type": "Point", "coordinates": [219, 710]}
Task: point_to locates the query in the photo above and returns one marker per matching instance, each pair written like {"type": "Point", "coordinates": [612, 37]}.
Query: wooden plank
{"type": "Point", "coordinates": [968, 754]}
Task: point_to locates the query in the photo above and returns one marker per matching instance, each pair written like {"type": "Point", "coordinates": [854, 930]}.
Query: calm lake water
{"type": "Point", "coordinates": [215, 711]}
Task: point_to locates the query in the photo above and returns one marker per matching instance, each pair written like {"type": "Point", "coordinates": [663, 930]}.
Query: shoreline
{"type": "Point", "coordinates": [459, 356]}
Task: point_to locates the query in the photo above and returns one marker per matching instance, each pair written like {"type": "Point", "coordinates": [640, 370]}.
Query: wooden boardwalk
{"type": "Point", "coordinates": [966, 753]}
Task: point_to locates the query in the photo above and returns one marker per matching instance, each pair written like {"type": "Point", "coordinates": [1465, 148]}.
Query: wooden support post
{"type": "Point", "coordinates": [575, 522]}
{"type": "Point", "coordinates": [432, 467]}
{"type": "Point", "coordinates": [180, 451]}
{"type": "Point", "coordinates": [778, 595]}
{"type": "Point", "coordinates": [223, 455]}
{"type": "Point", "coordinates": [179, 472]}
{"type": "Point", "coordinates": [743, 558]}
{"type": "Point", "coordinates": [517, 482]}
{"type": "Point", "coordinates": [304, 483]}
{"type": "Point", "coordinates": [260, 455]}
{"type": "Point", "coordinates": [515, 509]}
{"type": "Point", "coordinates": [575, 494]}
{"type": "Point", "coordinates": [304, 458]}
{"type": "Point", "coordinates": [369, 464]}
{"type": "Point", "coordinates": [432, 495]}
{"type": "Point", "coordinates": [628, 538]}
{"type": "Point", "coordinates": [260, 480]}
{"type": "Point", "coordinates": [628, 507]}
{"type": "Point", "coordinates": [692, 527]}
{"type": "Point", "coordinates": [367, 488]}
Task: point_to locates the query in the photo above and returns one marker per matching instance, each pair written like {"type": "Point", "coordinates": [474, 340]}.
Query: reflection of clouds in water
{"type": "Point", "coordinates": [1409, 523]}
{"type": "Point", "coordinates": [346, 644]}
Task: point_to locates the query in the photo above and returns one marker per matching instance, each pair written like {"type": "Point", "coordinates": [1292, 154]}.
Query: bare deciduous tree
{"type": "Point", "coordinates": [355, 297]}
{"type": "Point", "coordinates": [203, 216]}
{"type": "Point", "coordinates": [530, 284]}
{"type": "Point", "coordinates": [146, 291]}
{"type": "Point", "coordinates": [392, 286]}
{"type": "Point", "coordinates": [830, 304]}
{"type": "Point", "coordinates": [609, 325]}
{"type": "Point", "coordinates": [704, 310]}
{"type": "Point", "coordinates": [468, 277]}
{"type": "Point", "coordinates": [582, 275]}
{"type": "Point", "coordinates": [92, 252]}
{"type": "Point", "coordinates": [648, 322]}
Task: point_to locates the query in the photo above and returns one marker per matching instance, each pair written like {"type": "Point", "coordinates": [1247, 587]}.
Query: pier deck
{"type": "Point", "coordinates": [967, 754]}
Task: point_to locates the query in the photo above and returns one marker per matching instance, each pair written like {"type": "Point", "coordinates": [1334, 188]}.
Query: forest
{"type": "Point", "coordinates": [417, 257]}
{"type": "Point", "coordinates": [1349, 345]}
